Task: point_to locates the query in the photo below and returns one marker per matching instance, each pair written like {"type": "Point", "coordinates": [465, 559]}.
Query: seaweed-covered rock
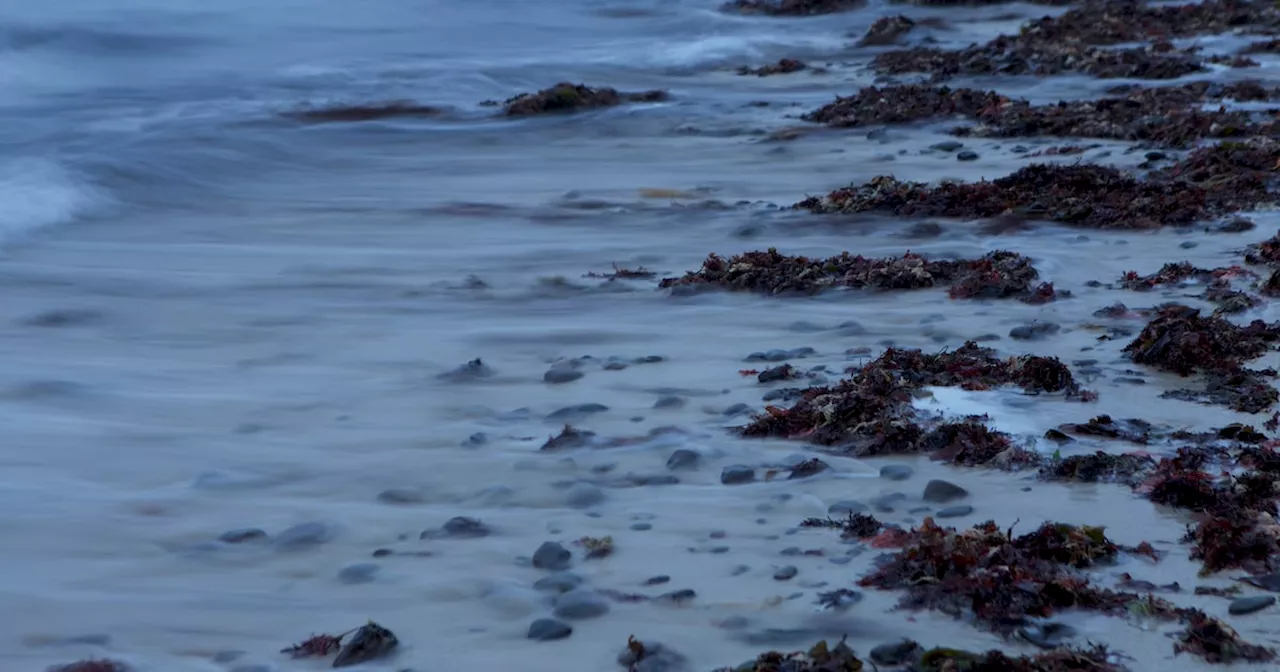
{"type": "Point", "coordinates": [782, 67]}
{"type": "Point", "coordinates": [996, 275]}
{"type": "Point", "coordinates": [886, 30]}
{"type": "Point", "coordinates": [791, 7]}
{"type": "Point", "coordinates": [567, 97]}
{"type": "Point", "coordinates": [1181, 341]}
{"type": "Point", "coordinates": [902, 104]}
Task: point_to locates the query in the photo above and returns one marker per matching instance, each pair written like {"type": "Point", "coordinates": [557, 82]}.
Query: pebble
{"type": "Point", "coordinates": [1034, 332]}
{"type": "Point", "coordinates": [967, 155]}
{"type": "Point", "coordinates": [560, 582]}
{"type": "Point", "coordinates": [1249, 605]}
{"type": "Point", "coordinates": [581, 603]}
{"type": "Point", "coordinates": [657, 580]}
{"type": "Point", "coordinates": [939, 491]}
{"type": "Point", "coordinates": [736, 409]}
{"type": "Point", "coordinates": [669, 401]}
{"type": "Point", "coordinates": [303, 535]}
{"type": "Point", "coordinates": [684, 459]}
{"type": "Point", "coordinates": [561, 375]}
{"type": "Point", "coordinates": [577, 412]}
{"type": "Point", "coordinates": [641, 527]}
{"type": "Point", "coordinates": [462, 527]}
{"type": "Point", "coordinates": [896, 472]}
{"type": "Point", "coordinates": [361, 572]}
{"type": "Point", "coordinates": [241, 535]}
{"type": "Point", "coordinates": [549, 630]}
{"type": "Point", "coordinates": [737, 474]}
{"type": "Point", "coordinates": [846, 506]}
{"type": "Point", "coordinates": [678, 596]}
{"type": "Point", "coordinates": [884, 503]}
{"type": "Point", "coordinates": [476, 440]}
{"type": "Point", "coordinates": [786, 573]}
{"type": "Point", "coordinates": [947, 146]}
{"type": "Point", "coordinates": [553, 556]}
{"type": "Point", "coordinates": [401, 496]}
{"type": "Point", "coordinates": [954, 511]}
{"type": "Point", "coordinates": [583, 495]}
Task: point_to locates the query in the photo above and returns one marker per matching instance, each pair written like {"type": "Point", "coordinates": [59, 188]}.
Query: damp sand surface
{"type": "Point", "coordinates": [221, 321]}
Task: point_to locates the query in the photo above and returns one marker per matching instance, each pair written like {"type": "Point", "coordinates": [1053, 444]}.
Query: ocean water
{"type": "Point", "coordinates": [219, 318]}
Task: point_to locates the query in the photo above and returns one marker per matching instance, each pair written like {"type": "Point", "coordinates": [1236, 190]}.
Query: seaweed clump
{"type": "Point", "coordinates": [1074, 41]}
{"type": "Point", "coordinates": [567, 97]}
{"type": "Point", "coordinates": [1217, 642]}
{"type": "Point", "coordinates": [1098, 467]}
{"type": "Point", "coordinates": [1181, 341]}
{"type": "Point", "coordinates": [871, 412]}
{"type": "Point", "coordinates": [1211, 181]}
{"type": "Point", "coordinates": [999, 274]}
{"type": "Point", "coordinates": [1168, 116]}
{"type": "Point", "coordinates": [1265, 253]}
{"type": "Point", "coordinates": [1216, 281]}
{"type": "Point", "coordinates": [840, 658]}
{"type": "Point", "coordinates": [1002, 580]}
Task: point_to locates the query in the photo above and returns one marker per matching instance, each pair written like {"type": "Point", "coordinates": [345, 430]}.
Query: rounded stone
{"type": "Point", "coordinates": [549, 630]}
{"type": "Point", "coordinates": [242, 535]}
{"type": "Point", "coordinates": [956, 511]}
{"type": "Point", "coordinates": [560, 582]}
{"type": "Point", "coordinates": [581, 603]}
{"type": "Point", "coordinates": [786, 573]}
{"type": "Point", "coordinates": [553, 556]}
{"type": "Point", "coordinates": [361, 572]}
{"type": "Point", "coordinates": [737, 474]}
{"type": "Point", "coordinates": [558, 376]}
{"type": "Point", "coordinates": [303, 536]}
{"type": "Point", "coordinates": [401, 496]}
{"type": "Point", "coordinates": [1249, 605]}
{"type": "Point", "coordinates": [464, 528]}
{"type": "Point", "coordinates": [684, 459]}
{"type": "Point", "coordinates": [939, 491]}
{"type": "Point", "coordinates": [896, 472]}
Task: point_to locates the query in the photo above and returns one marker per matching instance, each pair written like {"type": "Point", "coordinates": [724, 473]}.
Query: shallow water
{"type": "Point", "coordinates": [218, 320]}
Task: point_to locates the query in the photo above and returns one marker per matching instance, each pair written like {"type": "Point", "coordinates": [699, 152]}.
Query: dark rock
{"type": "Point", "coordinates": [1034, 332]}
{"type": "Point", "coordinates": [807, 468]}
{"type": "Point", "coordinates": [401, 496]}
{"type": "Point", "coordinates": [1047, 635]}
{"type": "Point", "coordinates": [641, 527]}
{"type": "Point", "coordinates": [552, 556]}
{"type": "Point", "coordinates": [956, 511]}
{"type": "Point", "coordinates": [651, 657]}
{"type": "Point", "coordinates": [947, 146]}
{"type": "Point", "coordinates": [476, 440]}
{"type": "Point", "coordinates": [786, 573]}
{"type": "Point", "coordinates": [560, 375]}
{"type": "Point", "coordinates": [683, 459]}
{"type": "Point", "coordinates": [1249, 605]}
{"type": "Point", "coordinates": [362, 572]}
{"type": "Point", "coordinates": [1269, 582]}
{"type": "Point", "coordinates": [370, 642]}
{"type": "Point", "coordinates": [681, 596]}
{"type": "Point", "coordinates": [459, 527]}
{"type": "Point", "coordinates": [939, 492]}
{"type": "Point", "coordinates": [568, 97]}
{"type": "Point", "coordinates": [472, 370]}
{"type": "Point", "coordinates": [736, 409]}
{"type": "Point", "coordinates": [966, 155]}
{"type": "Point", "coordinates": [581, 603]}
{"type": "Point", "coordinates": [571, 413]}
{"type": "Point", "coordinates": [737, 474]}
{"type": "Point", "coordinates": [657, 580]}
{"type": "Point", "coordinates": [549, 630]}
{"type": "Point", "coordinates": [896, 472]}
{"type": "Point", "coordinates": [242, 535]}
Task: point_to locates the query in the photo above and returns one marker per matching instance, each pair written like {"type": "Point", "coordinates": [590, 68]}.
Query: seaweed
{"type": "Point", "coordinates": [784, 66]}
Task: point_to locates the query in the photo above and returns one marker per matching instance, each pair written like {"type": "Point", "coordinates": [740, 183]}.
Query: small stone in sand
{"type": "Point", "coordinates": [1249, 605]}
{"type": "Point", "coordinates": [669, 401]}
{"type": "Point", "coordinates": [786, 573]}
{"type": "Point", "coordinates": [581, 603]}
{"type": "Point", "coordinates": [684, 459]}
{"type": "Point", "coordinates": [954, 511]}
{"type": "Point", "coordinates": [462, 527]}
{"type": "Point", "coordinates": [939, 491]}
{"type": "Point", "coordinates": [553, 556]}
{"type": "Point", "coordinates": [657, 580]}
{"type": "Point", "coordinates": [560, 582]}
{"type": "Point", "coordinates": [583, 495]}
{"type": "Point", "coordinates": [549, 630]}
{"type": "Point", "coordinates": [302, 536]}
{"type": "Point", "coordinates": [737, 474]}
{"type": "Point", "coordinates": [896, 472]}
{"type": "Point", "coordinates": [561, 375]}
{"type": "Point", "coordinates": [947, 145]}
{"type": "Point", "coordinates": [241, 535]}
{"type": "Point", "coordinates": [967, 155]}
{"type": "Point", "coordinates": [361, 572]}
{"type": "Point", "coordinates": [401, 496]}
{"type": "Point", "coordinates": [678, 596]}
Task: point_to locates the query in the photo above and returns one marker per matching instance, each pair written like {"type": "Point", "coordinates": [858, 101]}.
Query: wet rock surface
{"type": "Point", "coordinates": [567, 97]}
